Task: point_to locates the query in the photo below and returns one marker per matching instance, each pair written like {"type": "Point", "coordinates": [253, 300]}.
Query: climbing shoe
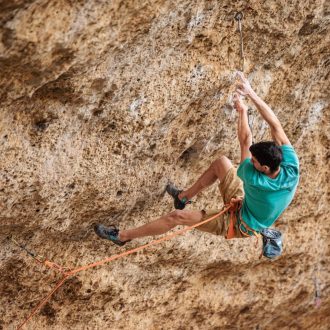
{"type": "Point", "coordinates": [110, 233]}
{"type": "Point", "coordinates": [174, 192]}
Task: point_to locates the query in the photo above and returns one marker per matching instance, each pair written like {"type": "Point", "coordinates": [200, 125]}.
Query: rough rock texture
{"type": "Point", "coordinates": [101, 103]}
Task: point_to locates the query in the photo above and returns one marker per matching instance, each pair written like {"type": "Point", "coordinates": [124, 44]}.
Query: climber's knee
{"type": "Point", "coordinates": [184, 217]}
{"type": "Point", "coordinates": [221, 162]}
{"type": "Point", "coordinates": [175, 217]}
{"type": "Point", "coordinates": [221, 166]}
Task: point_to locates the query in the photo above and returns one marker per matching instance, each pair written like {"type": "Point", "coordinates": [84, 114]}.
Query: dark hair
{"type": "Point", "coordinates": [267, 153]}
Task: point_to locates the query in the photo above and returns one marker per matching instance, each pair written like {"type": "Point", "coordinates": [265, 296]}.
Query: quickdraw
{"type": "Point", "coordinates": [239, 17]}
{"type": "Point", "coordinates": [38, 258]}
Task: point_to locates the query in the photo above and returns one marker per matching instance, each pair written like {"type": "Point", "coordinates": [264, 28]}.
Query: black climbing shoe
{"type": "Point", "coordinates": [110, 233]}
{"type": "Point", "coordinates": [172, 190]}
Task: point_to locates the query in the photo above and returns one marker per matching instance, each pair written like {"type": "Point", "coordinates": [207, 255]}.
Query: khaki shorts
{"type": "Point", "coordinates": [230, 187]}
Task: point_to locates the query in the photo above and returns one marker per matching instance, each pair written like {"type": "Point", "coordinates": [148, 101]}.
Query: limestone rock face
{"type": "Point", "coordinates": [103, 102]}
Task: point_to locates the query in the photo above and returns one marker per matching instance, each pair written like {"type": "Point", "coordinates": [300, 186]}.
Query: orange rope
{"type": "Point", "coordinates": [43, 302]}
{"type": "Point", "coordinates": [117, 256]}
{"type": "Point", "coordinates": [154, 242]}
{"type": "Point", "coordinates": [53, 265]}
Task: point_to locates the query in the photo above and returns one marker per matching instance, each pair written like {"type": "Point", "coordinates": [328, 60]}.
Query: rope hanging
{"type": "Point", "coordinates": [239, 18]}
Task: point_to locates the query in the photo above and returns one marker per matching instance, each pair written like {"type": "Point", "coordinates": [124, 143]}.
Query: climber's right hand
{"type": "Point", "coordinates": [243, 87]}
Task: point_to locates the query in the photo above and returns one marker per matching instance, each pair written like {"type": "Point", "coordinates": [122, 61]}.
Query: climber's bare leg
{"type": "Point", "coordinates": [217, 170]}
{"type": "Point", "coordinates": [163, 224]}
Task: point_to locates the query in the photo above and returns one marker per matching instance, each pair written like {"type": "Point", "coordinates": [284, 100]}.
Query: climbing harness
{"type": "Point", "coordinates": [236, 217]}
{"type": "Point", "coordinates": [239, 17]}
{"type": "Point", "coordinates": [234, 207]}
{"type": "Point", "coordinates": [38, 258]}
{"type": "Point", "coordinates": [73, 272]}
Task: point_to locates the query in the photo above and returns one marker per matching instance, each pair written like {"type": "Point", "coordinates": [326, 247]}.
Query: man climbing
{"type": "Point", "coordinates": [263, 186]}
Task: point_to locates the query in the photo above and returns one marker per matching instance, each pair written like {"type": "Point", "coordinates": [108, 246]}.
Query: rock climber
{"type": "Point", "coordinates": [263, 185]}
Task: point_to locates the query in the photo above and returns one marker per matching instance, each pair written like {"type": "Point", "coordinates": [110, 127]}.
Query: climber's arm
{"type": "Point", "coordinates": [267, 113]}
{"type": "Point", "coordinates": [278, 134]}
{"type": "Point", "coordinates": [243, 130]}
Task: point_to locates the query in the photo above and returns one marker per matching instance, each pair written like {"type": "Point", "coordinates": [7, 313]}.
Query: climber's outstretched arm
{"type": "Point", "coordinates": [278, 134]}
{"type": "Point", "coordinates": [243, 130]}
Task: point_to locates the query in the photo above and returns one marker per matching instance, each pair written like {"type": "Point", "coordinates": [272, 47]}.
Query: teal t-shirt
{"type": "Point", "coordinates": [265, 198]}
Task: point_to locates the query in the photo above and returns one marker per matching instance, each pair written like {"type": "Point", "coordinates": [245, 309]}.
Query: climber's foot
{"type": "Point", "coordinates": [110, 233]}
{"type": "Point", "coordinates": [173, 191]}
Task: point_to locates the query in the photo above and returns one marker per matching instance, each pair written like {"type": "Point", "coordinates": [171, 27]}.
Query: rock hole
{"type": "Point", "coordinates": [245, 309]}
{"type": "Point", "coordinates": [111, 127]}
{"type": "Point", "coordinates": [97, 112]}
{"type": "Point", "coordinates": [40, 125]}
{"type": "Point", "coordinates": [307, 29]}
{"type": "Point", "coordinates": [48, 311]}
{"type": "Point", "coordinates": [188, 154]}
{"type": "Point", "coordinates": [98, 84]}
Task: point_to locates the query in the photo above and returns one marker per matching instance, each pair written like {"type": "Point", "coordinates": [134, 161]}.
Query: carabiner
{"type": "Point", "coordinates": [238, 16]}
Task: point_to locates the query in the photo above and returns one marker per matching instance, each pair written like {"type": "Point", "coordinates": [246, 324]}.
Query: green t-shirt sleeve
{"type": "Point", "coordinates": [245, 169]}
{"type": "Point", "coordinates": [290, 157]}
